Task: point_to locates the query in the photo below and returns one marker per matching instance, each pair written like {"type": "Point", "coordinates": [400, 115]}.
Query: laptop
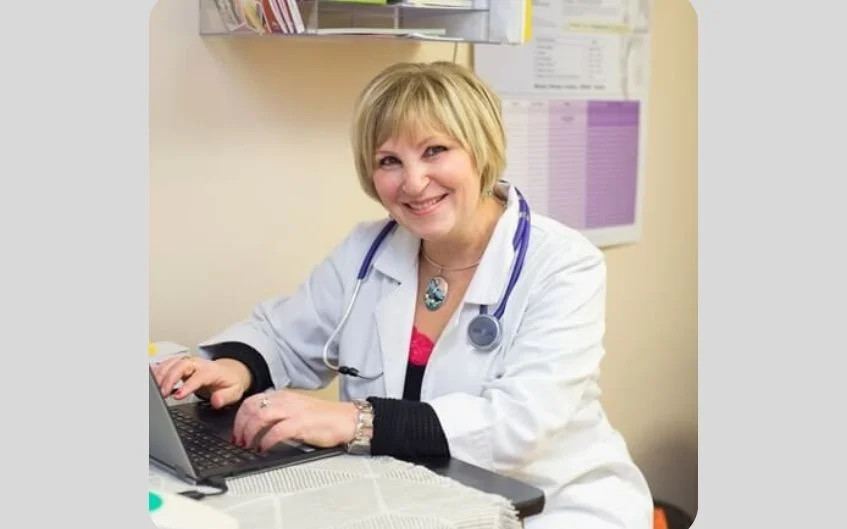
{"type": "Point", "coordinates": [192, 441]}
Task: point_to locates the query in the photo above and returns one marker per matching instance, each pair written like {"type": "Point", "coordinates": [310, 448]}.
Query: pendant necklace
{"type": "Point", "coordinates": [436, 288]}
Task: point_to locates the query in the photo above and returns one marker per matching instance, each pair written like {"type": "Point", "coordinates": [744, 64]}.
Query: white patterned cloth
{"type": "Point", "coordinates": [353, 492]}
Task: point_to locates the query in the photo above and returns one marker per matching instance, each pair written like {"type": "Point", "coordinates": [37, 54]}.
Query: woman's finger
{"type": "Point", "coordinates": [244, 415]}
{"type": "Point", "coordinates": [180, 370]}
{"type": "Point", "coordinates": [199, 378]}
{"type": "Point", "coordinates": [241, 417]}
{"type": "Point", "coordinates": [284, 430]}
{"type": "Point", "coordinates": [259, 422]}
{"type": "Point", "coordinates": [175, 372]}
{"type": "Point", "coordinates": [265, 412]}
{"type": "Point", "coordinates": [255, 414]}
{"type": "Point", "coordinates": [161, 368]}
{"type": "Point", "coordinates": [224, 396]}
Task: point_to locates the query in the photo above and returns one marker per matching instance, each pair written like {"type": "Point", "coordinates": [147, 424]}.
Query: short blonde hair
{"type": "Point", "coordinates": [438, 97]}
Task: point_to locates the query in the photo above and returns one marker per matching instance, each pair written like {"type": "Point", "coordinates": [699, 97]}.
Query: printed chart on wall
{"type": "Point", "coordinates": [574, 106]}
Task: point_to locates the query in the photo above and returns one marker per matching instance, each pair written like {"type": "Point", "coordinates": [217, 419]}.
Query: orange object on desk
{"type": "Point", "coordinates": [660, 521]}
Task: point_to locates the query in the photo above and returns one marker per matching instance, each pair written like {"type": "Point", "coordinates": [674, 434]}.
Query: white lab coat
{"type": "Point", "coordinates": [529, 409]}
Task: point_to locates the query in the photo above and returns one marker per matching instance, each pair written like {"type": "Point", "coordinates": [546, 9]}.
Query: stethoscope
{"type": "Point", "coordinates": [485, 331]}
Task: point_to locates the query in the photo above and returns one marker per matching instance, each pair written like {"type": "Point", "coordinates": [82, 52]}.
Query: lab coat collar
{"type": "Point", "coordinates": [399, 260]}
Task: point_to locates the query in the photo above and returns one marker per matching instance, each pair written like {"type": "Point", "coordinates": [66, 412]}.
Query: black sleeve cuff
{"type": "Point", "coordinates": [407, 430]}
{"type": "Point", "coordinates": [259, 374]}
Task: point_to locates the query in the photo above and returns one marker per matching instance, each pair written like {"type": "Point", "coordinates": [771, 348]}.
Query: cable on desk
{"type": "Point", "coordinates": [216, 483]}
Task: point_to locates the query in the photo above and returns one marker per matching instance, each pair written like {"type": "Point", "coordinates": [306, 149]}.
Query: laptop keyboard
{"type": "Point", "coordinates": [205, 449]}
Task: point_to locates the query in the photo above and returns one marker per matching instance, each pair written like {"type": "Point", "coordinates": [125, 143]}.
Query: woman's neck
{"type": "Point", "coordinates": [465, 248]}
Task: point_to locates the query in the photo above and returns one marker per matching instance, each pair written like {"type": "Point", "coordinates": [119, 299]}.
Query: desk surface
{"type": "Point", "coordinates": [349, 490]}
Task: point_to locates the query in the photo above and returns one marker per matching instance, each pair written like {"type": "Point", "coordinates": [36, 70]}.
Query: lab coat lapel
{"type": "Point", "coordinates": [395, 316]}
{"type": "Point", "coordinates": [492, 275]}
{"type": "Point", "coordinates": [395, 312]}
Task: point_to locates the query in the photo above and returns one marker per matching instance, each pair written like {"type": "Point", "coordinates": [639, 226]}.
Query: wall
{"type": "Point", "coordinates": [251, 183]}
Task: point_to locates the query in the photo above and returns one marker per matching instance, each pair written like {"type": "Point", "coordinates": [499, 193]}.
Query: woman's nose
{"type": "Point", "coordinates": [415, 179]}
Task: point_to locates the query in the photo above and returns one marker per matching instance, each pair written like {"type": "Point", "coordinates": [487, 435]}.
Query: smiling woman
{"type": "Point", "coordinates": [416, 138]}
{"type": "Point", "coordinates": [396, 298]}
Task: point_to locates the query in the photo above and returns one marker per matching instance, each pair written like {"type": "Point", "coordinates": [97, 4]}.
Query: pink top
{"type": "Point", "coordinates": [420, 348]}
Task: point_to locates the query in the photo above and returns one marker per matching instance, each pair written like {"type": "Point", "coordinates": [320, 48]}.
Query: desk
{"type": "Point", "coordinates": [374, 492]}
{"type": "Point", "coordinates": [526, 499]}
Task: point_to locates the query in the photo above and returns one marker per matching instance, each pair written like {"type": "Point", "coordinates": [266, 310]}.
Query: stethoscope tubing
{"type": "Point", "coordinates": [520, 243]}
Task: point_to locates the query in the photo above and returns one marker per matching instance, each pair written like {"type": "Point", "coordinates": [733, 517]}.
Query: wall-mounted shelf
{"type": "Point", "coordinates": [479, 21]}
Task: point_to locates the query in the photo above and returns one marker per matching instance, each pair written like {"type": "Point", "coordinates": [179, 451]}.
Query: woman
{"type": "Point", "coordinates": [429, 146]}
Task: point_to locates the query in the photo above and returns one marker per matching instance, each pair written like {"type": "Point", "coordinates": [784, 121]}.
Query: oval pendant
{"type": "Point", "coordinates": [436, 293]}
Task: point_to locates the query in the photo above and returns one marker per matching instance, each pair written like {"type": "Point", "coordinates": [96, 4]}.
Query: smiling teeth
{"type": "Point", "coordinates": [424, 205]}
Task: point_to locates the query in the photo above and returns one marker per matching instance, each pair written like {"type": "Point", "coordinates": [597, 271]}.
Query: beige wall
{"type": "Point", "coordinates": [248, 155]}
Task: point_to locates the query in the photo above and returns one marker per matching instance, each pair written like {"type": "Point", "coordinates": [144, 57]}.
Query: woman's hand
{"type": "Point", "coordinates": [224, 380]}
{"type": "Point", "coordinates": [287, 415]}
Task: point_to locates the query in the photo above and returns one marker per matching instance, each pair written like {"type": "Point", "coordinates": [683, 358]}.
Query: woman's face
{"type": "Point", "coordinates": [428, 184]}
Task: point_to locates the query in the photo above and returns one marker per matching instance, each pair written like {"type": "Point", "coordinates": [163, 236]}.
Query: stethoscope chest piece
{"type": "Point", "coordinates": [484, 332]}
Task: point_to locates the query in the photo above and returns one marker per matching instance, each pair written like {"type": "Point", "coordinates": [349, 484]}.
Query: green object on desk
{"type": "Point", "coordinates": [154, 501]}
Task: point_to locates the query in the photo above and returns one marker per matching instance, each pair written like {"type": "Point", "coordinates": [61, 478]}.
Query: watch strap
{"type": "Point", "coordinates": [361, 442]}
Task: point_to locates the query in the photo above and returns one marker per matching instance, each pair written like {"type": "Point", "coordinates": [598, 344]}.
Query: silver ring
{"type": "Point", "coordinates": [265, 402]}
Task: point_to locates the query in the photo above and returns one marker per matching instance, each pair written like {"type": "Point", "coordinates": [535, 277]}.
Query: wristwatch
{"type": "Point", "coordinates": [361, 443]}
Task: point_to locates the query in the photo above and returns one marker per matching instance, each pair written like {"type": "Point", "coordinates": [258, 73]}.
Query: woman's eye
{"type": "Point", "coordinates": [432, 151]}
{"type": "Point", "coordinates": [388, 160]}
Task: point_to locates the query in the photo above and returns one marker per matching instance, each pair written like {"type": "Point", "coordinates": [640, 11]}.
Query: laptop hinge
{"type": "Point", "coordinates": [182, 474]}
{"type": "Point", "coordinates": [173, 469]}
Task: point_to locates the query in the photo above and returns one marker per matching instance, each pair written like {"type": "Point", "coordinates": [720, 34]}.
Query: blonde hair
{"type": "Point", "coordinates": [438, 97]}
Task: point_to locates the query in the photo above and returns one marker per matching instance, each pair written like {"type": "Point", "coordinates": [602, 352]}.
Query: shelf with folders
{"type": "Point", "coordinates": [472, 21]}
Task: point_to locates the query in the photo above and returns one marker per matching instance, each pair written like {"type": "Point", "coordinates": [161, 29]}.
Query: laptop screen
{"type": "Point", "coordinates": [165, 445]}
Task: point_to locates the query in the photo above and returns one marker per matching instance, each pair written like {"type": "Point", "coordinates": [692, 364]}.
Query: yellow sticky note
{"type": "Point", "coordinates": [527, 28]}
{"type": "Point", "coordinates": [151, 349]}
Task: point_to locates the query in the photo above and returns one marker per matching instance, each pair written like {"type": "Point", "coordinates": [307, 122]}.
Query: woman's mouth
{"type": "Point", "coordinates": [425, 207]}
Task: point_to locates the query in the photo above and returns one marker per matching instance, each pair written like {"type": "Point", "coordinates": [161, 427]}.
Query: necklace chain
{"type": "Point", "coordinates": [442, 268]}
{"type": "Point", "coordinates": [437, 288]}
